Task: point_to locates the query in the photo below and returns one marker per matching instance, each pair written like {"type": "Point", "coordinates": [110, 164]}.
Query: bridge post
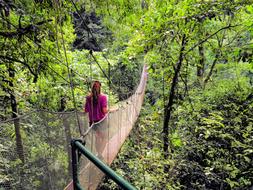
{"type": "Point", "coordinates": [75, 159]}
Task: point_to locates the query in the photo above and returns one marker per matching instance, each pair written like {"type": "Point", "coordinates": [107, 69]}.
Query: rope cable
{"type": "Point", "coordinates": [109, 88]}
{"type": "Point", "coordinates": [89, 30]}
{"type": "Point", "coordinates": [70, 80]}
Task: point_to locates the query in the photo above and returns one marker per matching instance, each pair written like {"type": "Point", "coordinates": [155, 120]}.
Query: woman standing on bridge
{"type": "Point", "coordinates": [96, 106]}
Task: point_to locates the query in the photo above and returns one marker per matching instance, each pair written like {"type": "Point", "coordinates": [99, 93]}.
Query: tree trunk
{"type": "Point", "coordinates": [212, 68]}
{"type": "Point", "coordinates": [14, 109]}
{"type": "Point", "coordinates": [168, 107]}
{"type": "Point", "coordinates": [201, 64]}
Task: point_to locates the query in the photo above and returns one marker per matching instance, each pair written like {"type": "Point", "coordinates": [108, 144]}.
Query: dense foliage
{"type": "Point", "coordinates": [200, 78]}
{"type": "Point", "coordinates": [195, 129]}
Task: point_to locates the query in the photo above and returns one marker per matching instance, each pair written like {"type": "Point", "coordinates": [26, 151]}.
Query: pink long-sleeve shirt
{"type": "Point", "coordinates": [96, 112]}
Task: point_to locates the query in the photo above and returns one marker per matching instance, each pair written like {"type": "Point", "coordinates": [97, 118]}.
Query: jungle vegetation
{"type": "Point", "coordinates": [195, 130]}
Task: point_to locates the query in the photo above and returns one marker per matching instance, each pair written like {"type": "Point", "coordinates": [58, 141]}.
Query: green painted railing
{"type": "Point", "coordinates": [78, 147]}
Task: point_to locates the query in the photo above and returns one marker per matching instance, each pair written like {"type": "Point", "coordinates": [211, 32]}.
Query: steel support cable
{"type": "Point", "coordinates": [107, 77]}
{"type": "Point", "coordinates": [13, 119]}
{"type": "Point", "coordinates": [87, 132]}
{"type": "Point", "coordinates": [90, 32]}
{"type": "Point", "coordinates": [95, 59]}
{"type": "Point", "coordinates": [96, 43]}
{"type": "Point", "coordinates": [119, 115]}
{"type": "Point", "coordinates": [70, 81]}
{"type": "Point", "coordinates": [108, 120]}
{"type": "Point", "coordinates": [112, 85]}
{"type": "Point", "coordinates": [37, 110]}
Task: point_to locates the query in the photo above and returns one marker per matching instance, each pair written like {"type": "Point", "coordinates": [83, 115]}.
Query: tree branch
{"type": "Point", "coordinates": [22, 31]}
{"type": "Point", "coordinates": [208, 37]}
{"type": "Point", "coordinates": [18, 61]}
{"type": "Point", "coordinates": [211, 69]}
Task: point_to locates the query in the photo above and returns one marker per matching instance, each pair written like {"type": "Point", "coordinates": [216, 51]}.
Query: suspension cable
{"type": "Point", "coordinates": [96, 43]}
{"type": "Point", "coordinates": [89, 30]}
{"type": "Point", "coordinates": [70, 79]}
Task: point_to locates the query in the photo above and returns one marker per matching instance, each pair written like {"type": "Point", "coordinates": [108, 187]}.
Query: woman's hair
{"type": "Point", "coordinates": [95, 91]}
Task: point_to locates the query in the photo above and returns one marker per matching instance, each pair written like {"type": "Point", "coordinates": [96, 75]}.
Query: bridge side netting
{"type": "Point", "coordinates": [46, 149]}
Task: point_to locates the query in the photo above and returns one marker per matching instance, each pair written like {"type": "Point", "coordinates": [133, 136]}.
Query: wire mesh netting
{"type": "Point", "coordinates": [40, 156]}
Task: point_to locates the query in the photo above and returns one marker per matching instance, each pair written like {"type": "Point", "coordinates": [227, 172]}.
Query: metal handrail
{"type": "Point", "coordinates": [78, 147]}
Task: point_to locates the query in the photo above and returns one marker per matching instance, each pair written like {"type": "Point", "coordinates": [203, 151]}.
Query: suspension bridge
{"type": "Point", "coordinates": [46, 141]}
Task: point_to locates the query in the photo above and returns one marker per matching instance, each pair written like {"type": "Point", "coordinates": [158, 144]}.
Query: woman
{"type": "Point", "coordinates": [96, 104]}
